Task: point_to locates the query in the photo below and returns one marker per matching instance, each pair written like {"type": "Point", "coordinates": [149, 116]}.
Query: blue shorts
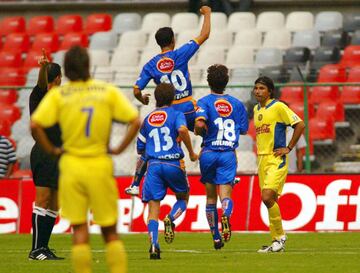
{"type": "Point", "coordinates": [218, 167]}
{"type": "Point", "coordinates": [163, 174]}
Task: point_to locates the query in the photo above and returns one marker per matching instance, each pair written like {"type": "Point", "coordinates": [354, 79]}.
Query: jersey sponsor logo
{"type": "Point", "coordinates": [165, 65]}
{"type": "Point", "coordinates": [263, 129]}
{"type": "Point", "coordinates": [157, 118]}
{"type": "Point", "coordinates": [223, 107]}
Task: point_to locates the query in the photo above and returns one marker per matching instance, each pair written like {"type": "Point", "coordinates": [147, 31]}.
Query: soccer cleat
{"type": "Point", "coordinates": [132, 190]}
{"type": "Point", "coordinates": [154, 252]}
{"type": "Point", "coordinates": [226, 228]}
{"type": "Point", "coordinates": [236, 181]}
{"type": "Point", "coordinates": [43, 253]}
{"type": "Point", "coordinates": [169, 230]}
{"type": "Point", "coordinates": [276, 246]}
{"type": "Point", "coordinates": [218, 244]}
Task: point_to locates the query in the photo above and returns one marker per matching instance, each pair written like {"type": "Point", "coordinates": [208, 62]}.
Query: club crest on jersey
{"type": "Point", "coordinates": [165, 65]}
{"type": "Point", "coordinates": [157, 118]}
{"type": "Point", "coordinates": [223, 107]}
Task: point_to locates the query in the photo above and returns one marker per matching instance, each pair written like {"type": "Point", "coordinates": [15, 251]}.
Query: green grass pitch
{"type": "Point", "coordinates": [194, 253]}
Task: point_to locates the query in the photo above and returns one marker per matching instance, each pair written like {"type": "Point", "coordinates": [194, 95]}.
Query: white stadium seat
{"type": "Point", "coordinates": [241, 21]}
{"type": "Point", "coordinates": [247, 161]}
{"type": "Point", "coordinates": [280, 38]}
{"type": "Point", "coordinates": [270, 20]}
{"type": "Point", "coordinates": [58, 57]}
{"type": "Point", "coordinates": [155, 20]}
{"type": "Point", "coordinates": [218, 21]}
{"type": "Point", "coordinates": [307, 38]}
{"type": "Point", "coordinates": [240, 56]}
{"type": "Point", "coordinates": [219, 38]}
{"type": "Point", "coordinates": [125, 58]}
{"type": "Point", "coordinates": [147, 55]}
{"type": "Point", "coordinates": [132, 39]}
{"type": "Point", "coordinates": [104, 73]}
{"type": "Point", "coordinates": [184, 21]}
{"type": "Point", "coordinates": [185, 36]}
{"type": "Point", "coordinates": [104, 40]}
{"type": "Point", "coordinates": [99, 58]}
{"type": "Point", "coordinates": [299, 20]}
{"type": "Point", "coordinates": [248, 38]}
{"type": "Point", "coordinates": [268, 57]}
{"type": "Point", "coordinates": [209, 56]}
{"type": "Point", "coordinates": [328, 20]}
{"type": "Point", "coordinates": [246, 143]}
{"type": "Point", "coordinates": [127, 21]}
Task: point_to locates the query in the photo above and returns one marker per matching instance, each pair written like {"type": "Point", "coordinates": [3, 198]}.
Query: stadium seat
{"type": "Point", "coordinates": [351, 22]}
{"type": "Point", "coordinates": [74, 38]}
{"type": "Point", "coordinates": [350, 95]}
{"type": "Point", "coordinates": [328, 20]}
{"type": "Point", "coordinates": [331, 110]}
{"type": "Point", "coordinates": [10, 113]}
{"type": "Point", "coordinates": [278, 73]}
{"type": "Point", "coordinates": [17, 42]}
{"type": "Point", "coordinates": [48, 41]}
{"type": "Point", "coordinates": [354, 74]}
{"type": "Point", "coordinates": [252, 131]}
{"type": "Point", "coordinates": [155, 20]}
{"type": "Point", "coordinates": [219, 38]}
{"type": "Point", "coordinates": [32, 76]}
{"type": "Point", "coordinates": [127, 21]}
{"type": "Point", "coordinates": [241, 21]}
{"type": "Point", "coordinates": [12, 24]}
{"type": "Point", "coordinates": [268, 57]}
{"type": "Point", "coordinates": [11, 77]}
{"type": "Point", "coordinates": [292, 94]}
{"type": "Point", "coordinates": [296, 56]}
{"type": "Point", "coordinates": [332, 73]}
{"type": "Point", "coordinates": [147, 54]}
{"type": "Point", "coordinates": [280, 38]}
{"type": "Point", "coordinates": [321, 129]}
{"type": "Point", "coordinates": [351, 56]}
{"type": "Point", "coordinates": [128, 58]}
{"type": "Point", "coordinates": [248, 38]}
{"type": "Point", "coordinates": [40, 24]}
{"type": "Point", "coordinates": [10, 59]}
{"type": "Point", "coordinates": [5, 127]}
{"type": "Point", "coordinates": [297, 75]}
{"type": "Point", "coordinates": [326, 55]}
{"type": "Point", "coordinates": [69, 23]}
{"type": "Point", "coordinates": [244, 74]}
{"type": "Point", "coordinates": [104, 73]}
{"type": "Point", "coordinates": [132, 39]}
{"type": "Point", "coordinates": [307, 38]}
{"type": "Point", "coordinates": [151, 43]}
{"type": "Point", "coordinates": [355, 39]}
{"type": "Point", "coordinates": [246, 143]}
{"type": "Point", "coordinates": [58, 57]}
{"type": "Point", "coordinates": [32, 58]}
{"type": "Point", "coordinates": [321, 94]}
{"type": "Point", "coordinates": [98, 22]}
{"type": "Point", "coordinates": [103, 40]}
{"type": "Point", "coordinates": [298, 108]}
{"type": "Point", "coordinates": [210, 55]}
{"type": "Point", "coordinates": [19, 129]}
{"type": "Point", "coordinates": [218, 21]}
{"type": "Point", "coordinates": [334, 38]}
{"type": "Point", "coordinates": [299, 20]}
{"type": "Point", "coordinates": [270, 20]}
{"type": "Point", "coordinates": [240, 56]}
{"type": "Point", "coordinates": [8, 96]}
{"type": "Point", "coordinates": [99, 57]}
{"type": "Point", "coordinates": [24, 146]}
{"type": "Point", "coordinates": [23, 100]}
{"type": "Point", "coordinates": [247, 161]}
{"type": "Point", "coordinates": [184, 21]}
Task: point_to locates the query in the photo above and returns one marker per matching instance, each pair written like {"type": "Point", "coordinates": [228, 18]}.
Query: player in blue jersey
{"type": "Point", "coordinates": [221, 119]}
{"type": "Point", "coordinates": [158, 139]}
{"type": "Point", "coordinates": [170, 66]}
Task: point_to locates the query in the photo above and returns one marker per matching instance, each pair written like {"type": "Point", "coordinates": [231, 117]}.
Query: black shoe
{"type": "Point", "coordinates": [52, 254]}
{"type": "Point", "coordinates": [169, 230]}
{"type": "Point", "coordinates": [43, 253]}
{"type": "Point", "coordinates": [154, 253]}
{"type": "Point", "coordinates": [218, 244]}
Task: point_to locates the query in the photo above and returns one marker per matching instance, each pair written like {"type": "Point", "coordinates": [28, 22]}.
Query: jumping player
{"type": "Point", "coordinates": [220, 120]}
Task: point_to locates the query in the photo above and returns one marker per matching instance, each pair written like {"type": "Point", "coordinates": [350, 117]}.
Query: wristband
{"type": "Point", "coordinates": [289, 148]}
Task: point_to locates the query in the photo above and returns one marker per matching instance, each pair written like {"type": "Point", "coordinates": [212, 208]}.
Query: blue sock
{"type": "Point", "coordinates": [178, 208]}
{"type": "Point", "coordinates": [227, 206]}
{"type": "Point", "coordinates": [140, 170]}
{"type": "Point", "coordinates": [153, 230]}
{"type": "Point", "coordinates": [212, 217]}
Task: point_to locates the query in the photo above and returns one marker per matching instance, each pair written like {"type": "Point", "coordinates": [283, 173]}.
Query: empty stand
{"type": "Point", "coordinates": [127, 21]}
{"type": "Point", "coordinates": [335, 38]}
{"type": "Point", "coordinates": [40, 24]}
{"type": "Point", "coordinates": [13, 24]}
{"type": "Point", "coordinates": [9, 112]}
{"type": "Point", "coordinates": [58, 57]}
{"type": "Point", "coordinates": [321, 94]}
{"type": "Point", "coordinates": [351, 22]}
{"type": "Point", "coordinates": [321, 129]}
{"type": "Point", "coordinates": [278, 73]}
{"type": "Point", "coordinates": [280, 38]}
{"type": "Point", "coordinates": [298, 108]}
{"type": "Point", "coordinates": [32, 58]}
{"type": "Point", "coordinates": [270, 20]}
{"type": "Point", "coordinates": [268, 57]}
{"type": "Point", "coordinates": [333, 110]}
{"type": "Point", "coordinates": [48, 41]}
{"type": "Point", "coordinates": [248, 38]}
{"type": "Point", "coordinates": [299, 20]}
{"type": "Point", "coordinates": [17, 42]}
{"type": "Point", "coordinates": [128, 58]}
{"type": "Point", "coordinates": [296, 56]}
{"type": "Point", "coordinates": [326, 55]}
{"type": "Point", "coordinates": [184, 21]}
{"type": "Point", "coordinates": [103, 40]}
{"type": "Point", "coordinates": [8, 96]}
{"type": "Point", "coordinates": [328, 20]}
{"type": "Point", "coordinates": [354, 74]}
{"type": "Point", "coordinates": [210, 55]}
{"type": "Point", "coordinates": [155, 20]}
{"type": "Point", "coordinates": [5, 127]}
{"type": "Point", "coordinates": [355, 39]}
{"type": "Point", "coordinates": [241, 21]}
{"type": "Point", "coordinates": [69, 23]}
{"type": "Point", "coordinates": [351, 95]}
{"type": "Point", "coordinates": [292, 94]}
{"type": "Point", "coordinates": [132, 39]}
{"type": "Point", "coordinates": [218, 21]}
{"type": "Point", "coordinates": [351, 56]}
{"type": "Point", "coordinates": [219, 38]}
{"type": "Point", "coordinates": [332, 73]}
{"type": "Point", "coordinates": [240, 56]}
{"type": "Point", "coordinates": [74, 38]}
{"type": "Point", "coordinates": [99, 57]}
{"type": "Point", "coordinates": [12, 77]}
{"type": "Point", "coordinates": [98, 22]}
{"type": "Point", "coordinates": [10, 59]}
{"type": "Point", "coordinates": [307, 38]}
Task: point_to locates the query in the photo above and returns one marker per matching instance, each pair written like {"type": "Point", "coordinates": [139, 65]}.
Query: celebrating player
{"type": "Point", "coordinates": [84, 109]}
{"type": "Point", "coordinates": [170, 66]}
{"type": "Point", "coordinates": [271, 117]}
{"type": "Point", "coordinates": [158, 139]}
{"type": "Point", "coordinates": [220, 120]}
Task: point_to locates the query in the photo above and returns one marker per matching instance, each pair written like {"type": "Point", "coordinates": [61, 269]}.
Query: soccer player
{"type": "Point", "coordinates": [271, 117]}
{"type": "Point", "coordinates": [158, 139]}
{"type": "Point", "coordinates": [84, 109]}
{"type": "Point", "coordinates": [44, 168]}
{"type": "Point", "coordinates": [170, 66]}
{"type": "Point", "coordinates": [221, 119]}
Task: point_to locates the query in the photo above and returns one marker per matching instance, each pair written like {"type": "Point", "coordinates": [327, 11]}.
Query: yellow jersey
{"type": "Point", "coordinates": [270, 125]}
{"type": "Point", "coordinates": [84, 111]}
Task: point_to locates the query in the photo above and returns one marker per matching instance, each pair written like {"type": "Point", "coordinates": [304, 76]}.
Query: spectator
{"type": "Point", "coordinates": [7, 157]}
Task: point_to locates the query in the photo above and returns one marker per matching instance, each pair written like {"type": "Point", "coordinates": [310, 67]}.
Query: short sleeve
{"type": "Point", "coordinates": [201, 113]}
{"type": "Point", "coordinates": [180, 120]}
{"type": "Point", "coordinates": [186, 51]}
{"type": "Point", "coordinates": [47, 113]}
{"type": "Point", "coordinates": [287, 115]}
{"type": "Point", "coordinates": [141, 139]}
{"type": "Point", "coordinates": [122, 110]}
{"type": "Point", "coordinates": [144, 78]}
{"type": "Point", "coordinates": [244, 121]}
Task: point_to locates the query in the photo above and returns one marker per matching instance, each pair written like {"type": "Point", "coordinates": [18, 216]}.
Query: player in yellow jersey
{"type": "Point", "coordinates": [271, 117]}
{"type": "Point", "coordinates": [84, 109]}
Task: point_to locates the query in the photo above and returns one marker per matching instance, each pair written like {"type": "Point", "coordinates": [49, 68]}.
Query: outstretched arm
{"type": "Point", "coordinates": [42, 78]}
{"type": "Point", "coordinates": [205, 29]}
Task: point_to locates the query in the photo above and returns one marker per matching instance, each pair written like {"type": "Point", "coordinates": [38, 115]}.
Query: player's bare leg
{"type": "Point", "coordinates": [81, 253]}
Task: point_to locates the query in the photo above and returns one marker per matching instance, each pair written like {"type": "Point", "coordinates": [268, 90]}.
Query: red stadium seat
{"type": "Point", "coordinates": [10, 113]}
{"type": "Point", "coordinates": [292, 94]}
{"type": "Point", "coordinates": [12, 76]}
{"type": "Point", "coordinates": [333, 110]}
{"type": "Point", "coordinates": [5, 128]}
{"type": "Point", "coordinates": [69, 23]}
{"type": "Point", "coordinates": [354, 74]}
{"type": "Point", "coordinates": [10, 59]}
{"type": "Point", "coordinates": [14, 24]}
{"type": "Point", "coordinates": [350, 95]}
{"type": "Point", "coordinates": [298, 108]}
{"type": "Point", "coordinates": [321, 129]}
{"type": "Point", "coordinates": [40, 24]}
{"type": "Point", "coordinates": [252, 132]}
{"type": "Point", "coordinates": [17, 42]}
{"type": "Point", "coordinates": [98, 22]}
{"type": "Point", "coordinates": [8, 96]}
{"type": "Point", "coordinates": [321, 94]}
{"type": "Point", "coordinates": [48, 41]}
{"type": "Point", "coordinates": [72, 39]}
{"type": "Point", "coordinates": [332, 73]}
{"type": "Point", "coordinates": [32, 58]}
{"type": "Point", "coordinates": [351, 56]}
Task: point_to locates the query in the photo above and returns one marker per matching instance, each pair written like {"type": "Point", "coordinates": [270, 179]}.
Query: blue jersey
{"type": "Point", "coordinates": [172, 67]}
{"type": "Point", "coordinates": [159, 132]}
{"type": "Point", "coordinates": [226, 118]}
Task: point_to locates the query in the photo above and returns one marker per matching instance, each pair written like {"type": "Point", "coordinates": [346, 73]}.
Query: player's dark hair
{"type": "Point", "coordinates": [164, 94]}
{"type": "Point", "coordinates": [268, 83]}
{"type": "Point", "coordinates": [53, 70]}
{"type": "Point", "coordinates": [77, 64]}
{"type": "Point", "coordinates": [164, 36]}
{"type": "Point", "coordinates": [218, 77]}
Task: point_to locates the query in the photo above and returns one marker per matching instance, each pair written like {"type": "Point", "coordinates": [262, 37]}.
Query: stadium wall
{"type": "Point", "coordinates": [310, 203]}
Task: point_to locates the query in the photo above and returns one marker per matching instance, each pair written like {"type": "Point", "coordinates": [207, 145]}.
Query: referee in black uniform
{"type": "Point", "coordinates": [44, 168]}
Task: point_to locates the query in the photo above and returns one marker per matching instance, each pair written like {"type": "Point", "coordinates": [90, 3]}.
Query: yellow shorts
{"type": "Point", "coordinates": [88, 183]}
{"type": "Point", "coordinates": [272, 172]}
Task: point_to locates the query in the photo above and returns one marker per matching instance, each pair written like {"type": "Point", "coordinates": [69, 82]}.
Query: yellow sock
{"type": "Point", "coordinates": [276, 229]}
{"type": "Point", "coordinates": [116, 257]}
{"type": "Point", "coordinates": [81, 258]}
